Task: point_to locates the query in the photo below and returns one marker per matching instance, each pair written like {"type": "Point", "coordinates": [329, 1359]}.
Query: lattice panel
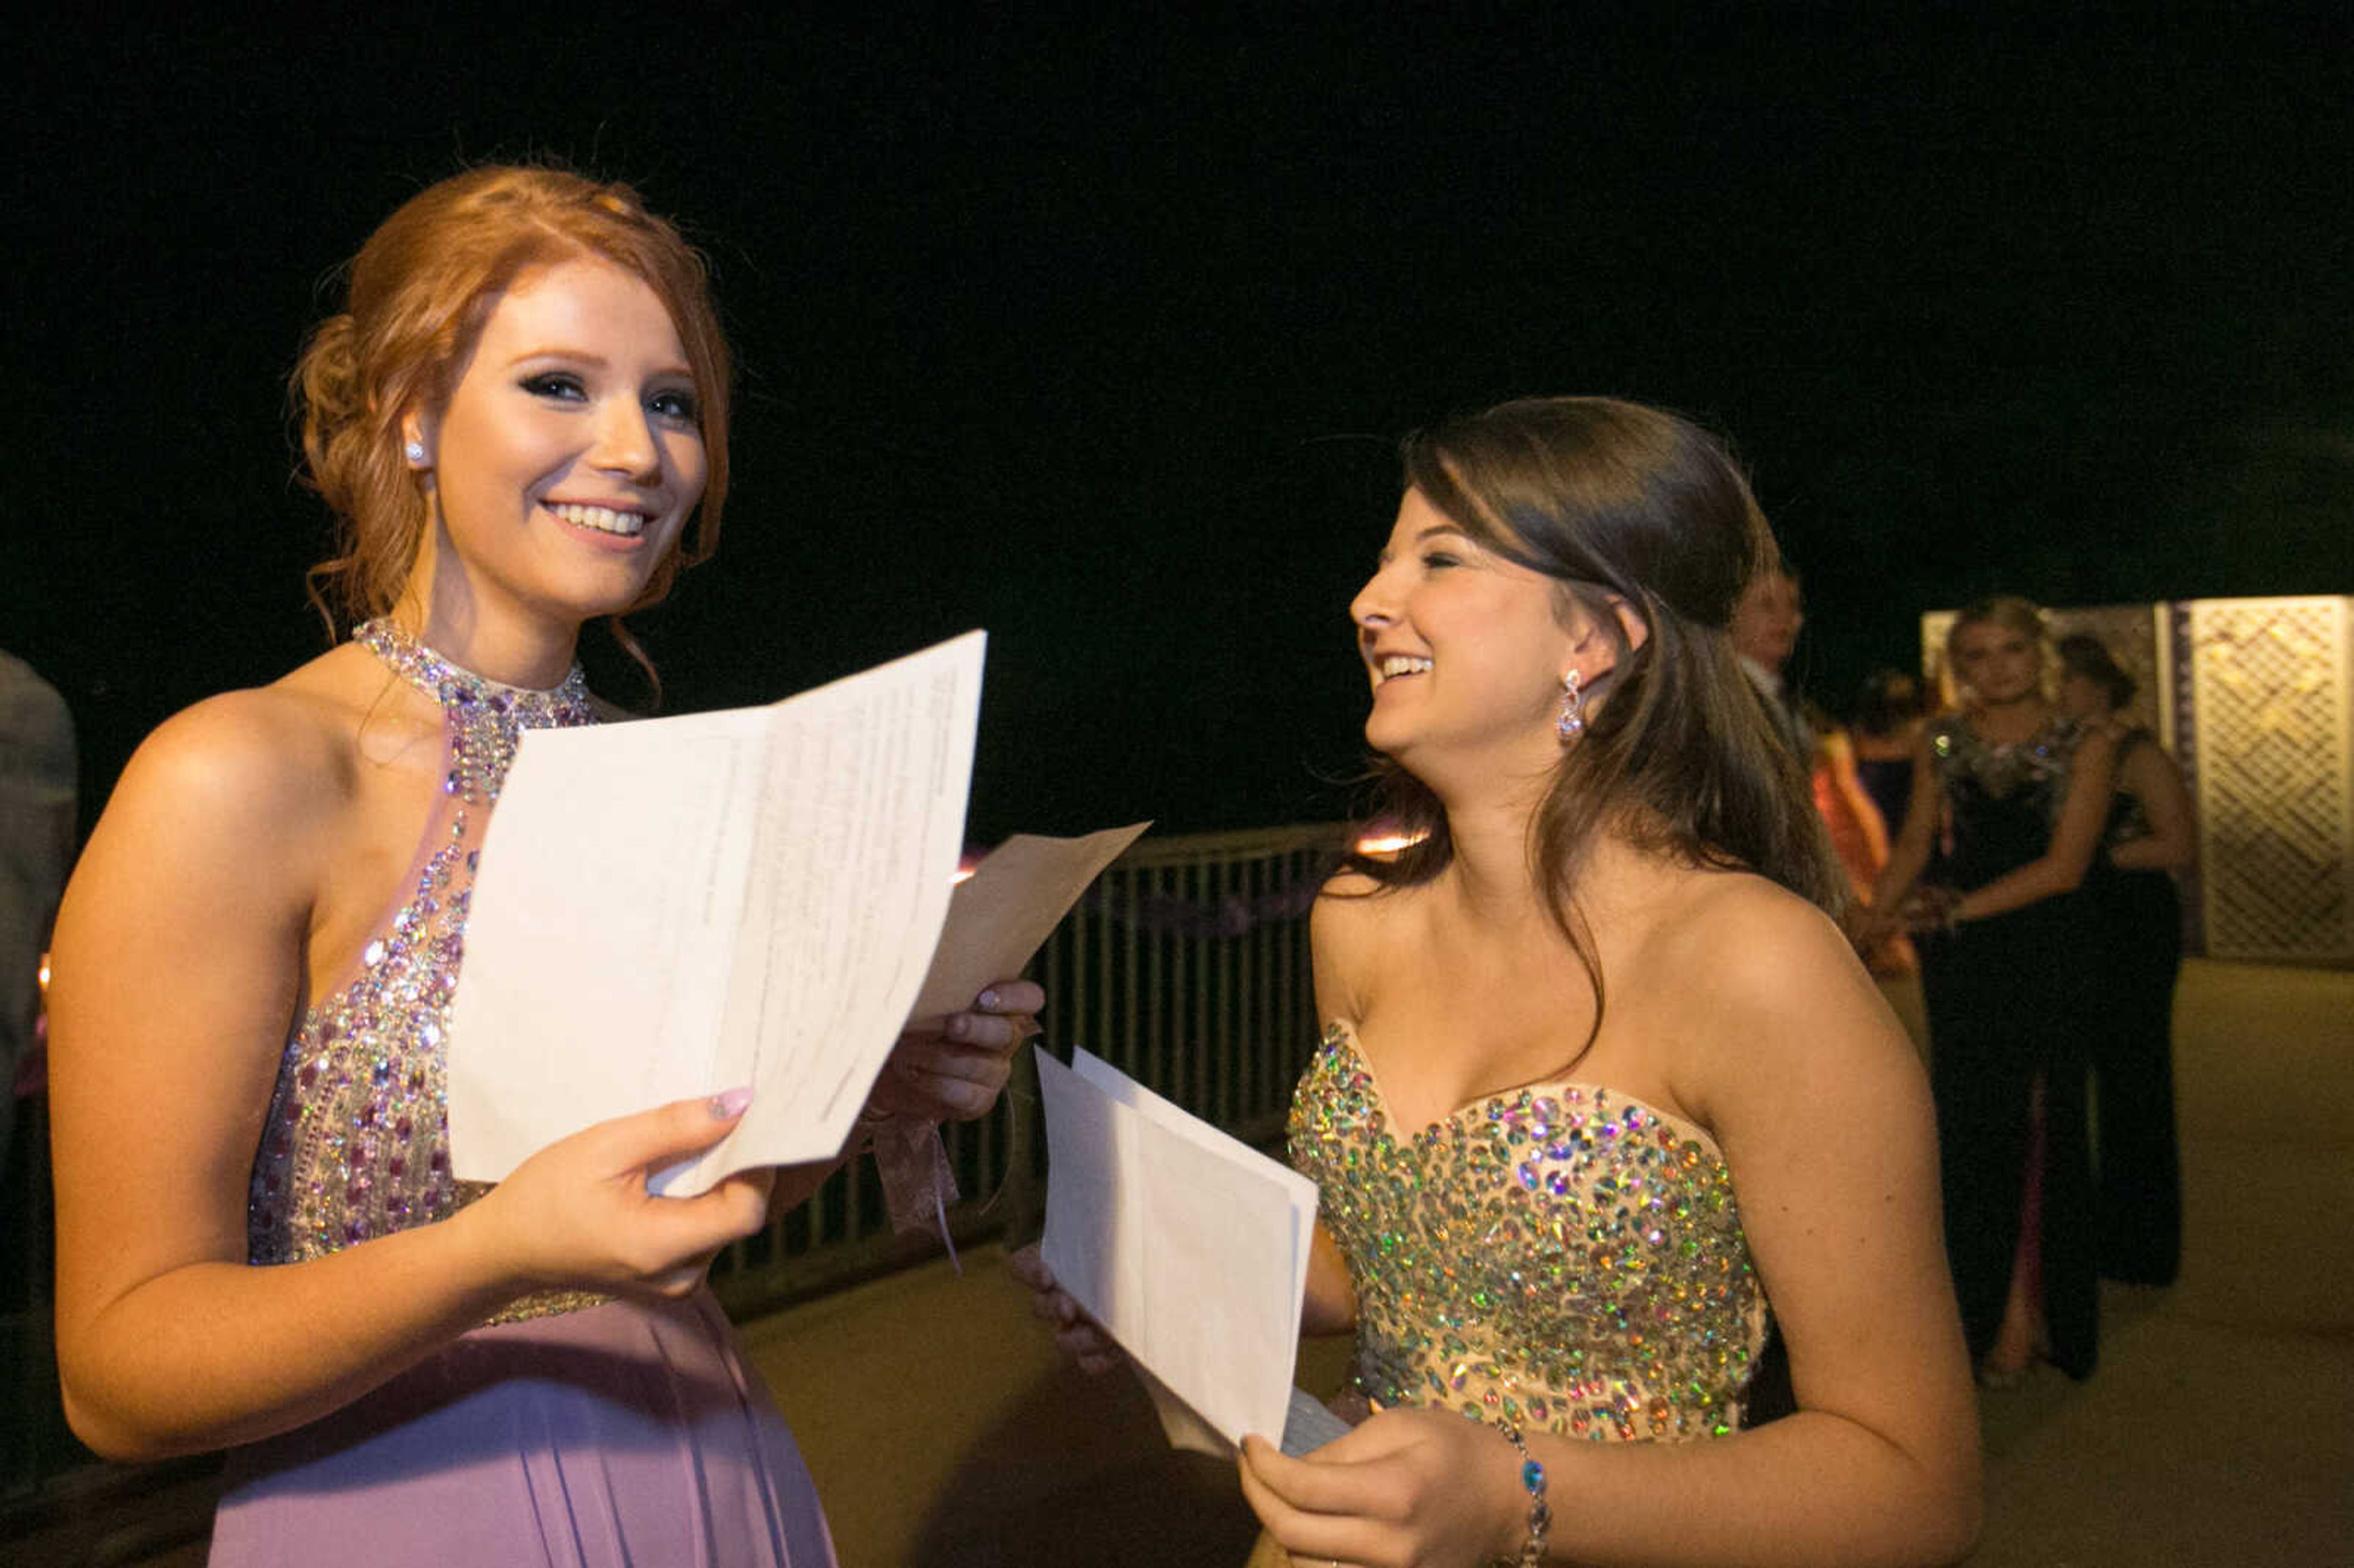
{"type": "Point", "coordinates": [2271, 703]}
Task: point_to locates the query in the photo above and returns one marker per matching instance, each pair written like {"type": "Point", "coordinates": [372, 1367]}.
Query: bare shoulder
{"type": "Point", "coordinates": [1355, 919]}
{"type": "Point", "coordinates": [2098, 743]}
{"type": "Point", "coordinates": [1770, 993]}
{"type": "Point", "coordinates": [1746, 939]}
{"type": "Point", "coordinates": [270, 760]}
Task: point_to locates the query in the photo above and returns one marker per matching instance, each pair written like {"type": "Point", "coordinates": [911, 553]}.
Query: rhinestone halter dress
{"type": "Point", "coordinates": [1558, 1258]}
{"type": "Point", "coordinates": [571, 1429]}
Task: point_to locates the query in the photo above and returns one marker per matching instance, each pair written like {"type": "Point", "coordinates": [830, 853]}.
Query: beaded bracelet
{"type": "Point", "coordinates": [1532, 1476]}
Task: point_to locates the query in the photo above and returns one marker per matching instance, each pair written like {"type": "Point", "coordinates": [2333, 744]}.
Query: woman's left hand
{"type": "Point", "coordinates": [1408, 1488]}
{"type": "Point", "coordinates": [955, 1072]}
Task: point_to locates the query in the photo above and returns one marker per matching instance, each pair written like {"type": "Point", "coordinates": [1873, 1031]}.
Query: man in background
{"type": "Point", "coordinates": [1766, 624]}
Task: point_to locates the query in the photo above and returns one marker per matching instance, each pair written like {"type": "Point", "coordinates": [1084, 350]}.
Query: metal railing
{"type": "Point", "coordinates": [1186, 966]}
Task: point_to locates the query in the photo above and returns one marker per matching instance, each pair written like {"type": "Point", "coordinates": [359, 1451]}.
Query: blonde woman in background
{"type": "Point", "coordinates": [2008, 798]}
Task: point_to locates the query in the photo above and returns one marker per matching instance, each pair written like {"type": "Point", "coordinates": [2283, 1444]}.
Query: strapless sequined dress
{"type": "Point", "coordinates": [571, 1430]}
{"type": "Point", "coordinates": [1559, 1258]}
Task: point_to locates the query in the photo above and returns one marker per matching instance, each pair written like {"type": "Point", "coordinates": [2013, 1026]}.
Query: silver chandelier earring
{"type": "Point", "coordinates": [1572, 723]}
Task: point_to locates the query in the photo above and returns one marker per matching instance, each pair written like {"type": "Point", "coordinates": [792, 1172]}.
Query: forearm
{"type": "Point", "coordinates": [2030, 883]}
{"type": "Point", "coordinates": [2152, 853]}
{"type": "Point", "coordinates": [1808, 1491]}
{"type": "Point", "coordinates": [1907, 858]}
{"type": "Point", "coordinates": [213, 1354]}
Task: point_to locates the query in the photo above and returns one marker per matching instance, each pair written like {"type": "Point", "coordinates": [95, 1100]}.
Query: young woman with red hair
{"type": "Point", "coordinates": [520, 421]}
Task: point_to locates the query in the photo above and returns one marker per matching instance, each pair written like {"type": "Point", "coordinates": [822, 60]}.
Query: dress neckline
{"type": "Point", "coordinates": [453, 685]}
{"type": "Point", "coordinates": [484, 718]}
{"type": "Point", "coordinates": [1347, 1030]}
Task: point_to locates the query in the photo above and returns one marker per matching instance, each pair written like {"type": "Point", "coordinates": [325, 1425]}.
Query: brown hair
{"type": "Point", "coordinates": [419, 291]}
{"type": "Point", "coordinates": [2081, 653]}
{"type": "Point", "coordinates": [1615, 501]}
{"type": "Point", "coordinates": [2012, 613]}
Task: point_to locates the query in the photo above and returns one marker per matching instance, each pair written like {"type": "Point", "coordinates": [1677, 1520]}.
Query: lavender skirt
{"type": "Point", "coordinates": [627, 1434]}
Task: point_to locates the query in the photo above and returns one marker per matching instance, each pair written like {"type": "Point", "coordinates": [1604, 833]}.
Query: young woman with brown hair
{"type": "Point", "coordinates": [2134, 921]}
{"type": "Point", "coordinates": [1600, 1080]}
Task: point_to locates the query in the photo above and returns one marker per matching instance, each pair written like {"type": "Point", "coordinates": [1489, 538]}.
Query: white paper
{"type": "Point", "coordinates": [676, 906]}
{"type": "Point", "coordinates": [1189, 1246]}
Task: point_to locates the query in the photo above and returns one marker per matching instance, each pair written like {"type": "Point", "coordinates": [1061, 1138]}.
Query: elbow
{"type": "Point", "coordinates": [1952, 1515]}
{"type": "Point", "coordinates": [1955, 1532]}
{"type": "Point", "coordinates": [106, 1437]}
{"type": "Point", "coordinates": [113, 1434]}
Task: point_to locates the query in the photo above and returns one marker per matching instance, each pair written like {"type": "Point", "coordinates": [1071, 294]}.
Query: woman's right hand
{"type": "Point", "coordinates": [577, 1216]}
{"type": "Point", "coordinates": [1081, 1337]}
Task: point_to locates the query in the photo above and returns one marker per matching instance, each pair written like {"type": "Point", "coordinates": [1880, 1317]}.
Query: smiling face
{"type": "Point", "coordinates": [564, 462]}
{"type": "Point", "coordinates": [1465, 650]}
{"type": "Point", "coordinates": [2001, 664]}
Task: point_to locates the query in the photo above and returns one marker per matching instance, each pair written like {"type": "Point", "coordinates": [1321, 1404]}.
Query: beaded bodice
{"type": "Point", "coordinates": [1559, 1258]}
{"type": "Point", "coordinates": [2001, 802]}
{"type": "Point", "coordinates": [357, 1143]}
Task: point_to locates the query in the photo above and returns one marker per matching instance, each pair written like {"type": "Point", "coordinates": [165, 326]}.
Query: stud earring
{"type": "Point", "coordinates": [1572, 723]}
{"type": "Point", "coordinates": [415, 452]}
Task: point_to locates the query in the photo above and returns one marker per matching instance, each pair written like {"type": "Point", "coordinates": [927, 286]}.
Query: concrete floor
{"type": "Point", "coordinates": [942, 1431]}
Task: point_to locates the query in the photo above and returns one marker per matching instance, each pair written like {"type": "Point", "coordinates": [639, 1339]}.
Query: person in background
{"type": "Point", "coordinates": [1600, 1080]}
{"type": "Point", "coordinates": [37, 773]}
{"type": "Point", "coordinates": [2010, 796]}
{"type": "Point", "coordinates": [1882, 742]}
{"type": "Point", "coordinates": [2136, 924]}
{"type": "Point", "coordinates": [521, 423]}
{"type": "Point", "coordinates": [1889, 717]}
{"type": "Point", "coordinates": [1764, 632]}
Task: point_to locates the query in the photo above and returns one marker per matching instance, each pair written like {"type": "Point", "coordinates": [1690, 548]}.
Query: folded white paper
{"type": "Point", "coordinates": [1189, 1246]}
{"type": "Point", "coordinates": [674, 906]}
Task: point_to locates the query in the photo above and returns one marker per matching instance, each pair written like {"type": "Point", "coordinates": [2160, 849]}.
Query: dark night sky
{"type": "Point", "coordinates": [1098, 333]}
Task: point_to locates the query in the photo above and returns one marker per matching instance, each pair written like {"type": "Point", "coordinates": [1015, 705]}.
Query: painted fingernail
{"type": "Point", "coordinates": [731, 1104]}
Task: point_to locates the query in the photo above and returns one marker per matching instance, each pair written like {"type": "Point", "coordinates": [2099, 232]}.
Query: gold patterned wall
{"type": "Point", "coordinates": [2255, 699]}
{"type": "Point", "coordinates": [2268, 705]}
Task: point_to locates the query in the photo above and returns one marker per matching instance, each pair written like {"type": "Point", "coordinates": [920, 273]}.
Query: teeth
{"type": "Point", "coordinates": [604, 519]}
{"type": "Point", "coordinates": [1402, 664]}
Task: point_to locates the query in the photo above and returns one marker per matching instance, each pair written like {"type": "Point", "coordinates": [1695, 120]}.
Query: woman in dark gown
{"type": "Point", "coordinates": [2134, 921]}
{"type": "Point", "coordinates": [2008, 803]}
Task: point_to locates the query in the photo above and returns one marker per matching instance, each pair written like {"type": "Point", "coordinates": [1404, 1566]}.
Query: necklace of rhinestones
{"type": "Point", "coordinates": [485, 716]}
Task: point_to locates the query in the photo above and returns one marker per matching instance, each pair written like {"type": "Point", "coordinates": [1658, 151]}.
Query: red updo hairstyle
{"type": "Point", "coordinates": [421, 290]}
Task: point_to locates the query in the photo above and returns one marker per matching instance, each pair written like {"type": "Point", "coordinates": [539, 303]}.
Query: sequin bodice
{"type": "Point", "coordinates": [356, 1141]}
{"type": "Point", "coordinates": [2001, 802]}
{"type": "Point", "coordinates": [1559, 1257]}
